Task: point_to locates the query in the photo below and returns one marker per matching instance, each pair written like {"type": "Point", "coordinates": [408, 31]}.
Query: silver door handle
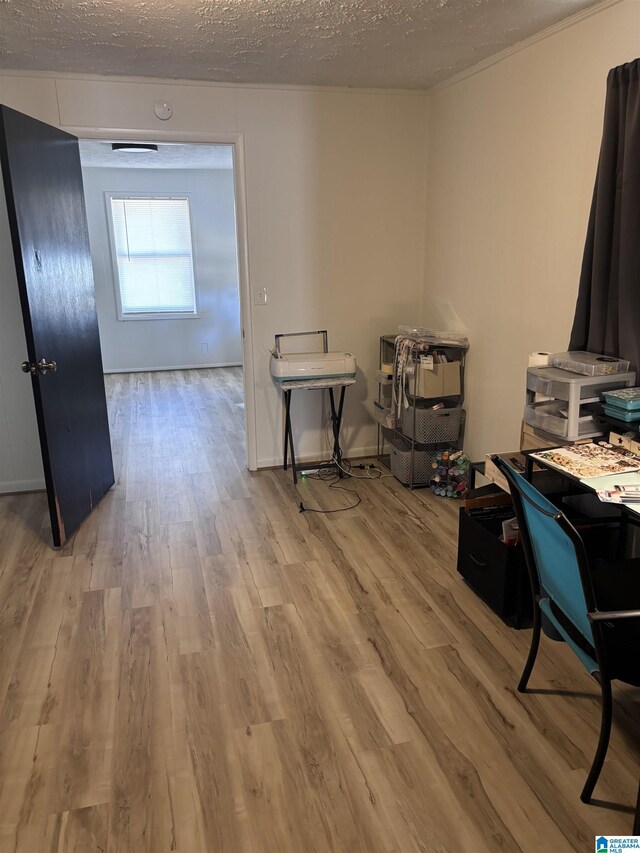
{"type": "Point", "coordinates": [47, 366]}
{"type": "Point", "coordinates": [42, 367]}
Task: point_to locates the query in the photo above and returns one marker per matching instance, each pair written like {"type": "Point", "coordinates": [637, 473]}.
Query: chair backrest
{"type": "Point", "coordinates": [553, 542]}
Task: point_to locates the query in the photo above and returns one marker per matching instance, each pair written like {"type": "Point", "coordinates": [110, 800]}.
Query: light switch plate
{"type": "Point", "coordinates": [260, 296]}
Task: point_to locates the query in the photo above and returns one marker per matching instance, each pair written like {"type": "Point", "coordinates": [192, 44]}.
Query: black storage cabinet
{"type": "Point", "coordinates": [495, 571]}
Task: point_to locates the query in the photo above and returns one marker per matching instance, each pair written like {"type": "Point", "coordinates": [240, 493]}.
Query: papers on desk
{"type": "Point", "coordinates": [585, 461]}
{"type": "Point", "coordinates": [606, 487]}
{"type": "Point", "coordinates": [620, 495]}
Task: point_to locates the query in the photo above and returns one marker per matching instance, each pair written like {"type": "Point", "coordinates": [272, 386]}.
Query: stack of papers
{"type": "Point", "coordinates": [589, 460]}
{"type": "Point", "coordinates": [620, 495]}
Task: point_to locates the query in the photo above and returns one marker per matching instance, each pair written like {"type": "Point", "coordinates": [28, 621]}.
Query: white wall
{"type": "Point", "coordinates": [20, 457]}
{"type": "Point", "coordinates": [339, 225]}
{"type": "Point", "coordinates": [512, 160]}
{"type": "Point", "coordinates": [213, 338]}
{"type": "Point", "coordinates": [335, 212]}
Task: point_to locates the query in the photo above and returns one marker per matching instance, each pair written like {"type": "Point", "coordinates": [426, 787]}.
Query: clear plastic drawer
{"type": "Point", "coordinates": [550, 417]}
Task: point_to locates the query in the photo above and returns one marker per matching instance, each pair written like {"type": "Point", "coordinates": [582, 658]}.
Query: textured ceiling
{"type": "Point", "coordinates": [409, 44]}
{"type": "Point", "coordinates": [168, 156]}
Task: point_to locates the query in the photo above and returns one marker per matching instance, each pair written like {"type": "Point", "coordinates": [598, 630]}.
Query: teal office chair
{"type": "Point", "coordinates": [566, 588]}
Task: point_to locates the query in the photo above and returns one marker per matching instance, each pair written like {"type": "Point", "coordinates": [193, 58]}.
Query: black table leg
{"type": "Point", "coordinates": [528, 468]}
{"type": "Point", "coordinates": [294, 467]}
{"type": "Point", "coordinates": [622, 535]}
{"type": "Point", "coordinates": [287, 424]}
{"type": "Point", "coordinates": [288, 435]}
{"type": "Point", "coordinates": [336, 421]}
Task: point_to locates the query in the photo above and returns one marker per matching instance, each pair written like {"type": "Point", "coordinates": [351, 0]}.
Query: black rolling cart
{"type": "Point", "coordinates": [409, 435]}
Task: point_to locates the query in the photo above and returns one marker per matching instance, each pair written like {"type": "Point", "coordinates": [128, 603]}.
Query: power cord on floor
{"type": "Point", "coordinates": [349, 466]}
{"type": "Point", "coordinates": [332, 477]}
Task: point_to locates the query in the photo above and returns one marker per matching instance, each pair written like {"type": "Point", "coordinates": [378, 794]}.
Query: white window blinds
{"type": "Point", "coordinates": [153, 250]}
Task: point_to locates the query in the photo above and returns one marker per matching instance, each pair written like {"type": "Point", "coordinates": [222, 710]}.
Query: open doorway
{"type": "Point", "coordinates": [164, 243]}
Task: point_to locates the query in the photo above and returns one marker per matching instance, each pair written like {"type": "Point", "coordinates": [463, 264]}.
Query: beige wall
{"type": "Point", "coordinates": [335, 213]}
{"type": "Point", "coordinates": [344, 236]}
{"type": "Point", "coordinates": [512, 158]}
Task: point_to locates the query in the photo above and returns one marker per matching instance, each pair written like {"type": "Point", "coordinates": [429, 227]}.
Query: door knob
{"type": "Point", "coordinates": [42, 367]}
{"type": "Point", "coordinates": [47, 366]}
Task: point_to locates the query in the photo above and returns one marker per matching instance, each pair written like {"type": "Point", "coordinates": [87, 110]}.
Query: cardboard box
{"type": "Point", "coordinates": [625, 441]}
{"type": "Point", "coordinates": [487, 497]}
{"type": "Point", "coordinates": [546, 481]}
{"type": "Point", "coordinates": [442, 381]}
{"type": "Point", "coordinates": [536, 439]}
{"type": "Point", "coordinates": [492, 473]}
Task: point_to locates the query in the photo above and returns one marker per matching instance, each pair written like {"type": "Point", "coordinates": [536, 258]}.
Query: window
{"type": "Point", "coordinates": [153, 256]}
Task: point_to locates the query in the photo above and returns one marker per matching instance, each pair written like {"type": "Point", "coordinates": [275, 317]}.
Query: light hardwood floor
{"type": "Point", "coordinates": [203, 668]}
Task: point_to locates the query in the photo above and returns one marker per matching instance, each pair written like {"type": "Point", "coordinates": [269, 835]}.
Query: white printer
{"type": "Point", "coordinates": [312, 365]}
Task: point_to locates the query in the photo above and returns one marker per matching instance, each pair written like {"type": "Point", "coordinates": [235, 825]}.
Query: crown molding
{"type": "Point", "coordinates": [548, 32]}
{"type": "Point", "coordinates": [208, 84]}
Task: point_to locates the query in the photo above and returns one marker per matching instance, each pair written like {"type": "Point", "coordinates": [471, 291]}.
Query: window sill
{"type": "Point", "coordinates": [163, 315]}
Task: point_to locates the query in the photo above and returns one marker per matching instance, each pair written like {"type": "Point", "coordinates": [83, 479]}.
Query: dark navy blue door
{"type": "Point", "coordinates": [45, 205]}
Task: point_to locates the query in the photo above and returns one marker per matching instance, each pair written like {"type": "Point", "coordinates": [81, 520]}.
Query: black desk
{"type": "Point", "coordinates": [607, 481]}
{"type": "Point", "coordinates": [336, 420]}
{"type": "Point", "coordinates": [629, 513]}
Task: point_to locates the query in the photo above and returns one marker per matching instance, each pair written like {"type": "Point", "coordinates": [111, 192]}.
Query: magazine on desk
{"type": "Point", "coordinates": [620, 495]}
{"type": "Point", "coordinates": [589, 460]}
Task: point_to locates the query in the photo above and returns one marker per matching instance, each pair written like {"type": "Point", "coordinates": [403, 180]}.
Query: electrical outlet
{"type": "Point", "coordinates": [205, 346]}
{"type": "Point", "coordinates": [260, 296]}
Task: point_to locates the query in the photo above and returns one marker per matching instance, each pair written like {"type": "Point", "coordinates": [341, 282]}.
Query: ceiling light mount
{"type": "Point", "coordinates": [163, 110]}
{"type": "Point", "coordinates": [134, 147]}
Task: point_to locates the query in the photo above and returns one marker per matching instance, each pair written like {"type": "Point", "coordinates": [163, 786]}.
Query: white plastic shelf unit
{"type": "Point", "coordinates": [569, 400]}
{"type": "Point", "coordinates": [406, 444]}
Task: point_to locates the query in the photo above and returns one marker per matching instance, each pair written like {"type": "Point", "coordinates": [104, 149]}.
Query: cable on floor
{"type": "Point", "coordinates": [332, 477]}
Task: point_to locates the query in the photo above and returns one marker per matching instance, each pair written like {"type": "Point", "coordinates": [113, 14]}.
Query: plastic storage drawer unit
{"type": "Point", "coordinates": [548, 417]}
{"type": "Point", "coordinates": [568, 414]}
{"type": "Point", "coordinates": [628, 416]}
{"type": "Point", "coordinates": [626, 398]}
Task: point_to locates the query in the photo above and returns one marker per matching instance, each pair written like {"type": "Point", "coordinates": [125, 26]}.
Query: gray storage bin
{"type": "Point", "coordinates": [432, 426]}
{"type": "Point", "coordinates": [400, 461]}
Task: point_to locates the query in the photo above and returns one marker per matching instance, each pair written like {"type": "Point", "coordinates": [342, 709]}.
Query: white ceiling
{"type": "Point", "coordinates": [410, 44]}
{"type": "Point", "coordinates": [168, 156]}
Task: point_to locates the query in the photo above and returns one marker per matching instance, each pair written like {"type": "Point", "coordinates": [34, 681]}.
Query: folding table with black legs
{"type": "Point", "coordinates": [330, 385]}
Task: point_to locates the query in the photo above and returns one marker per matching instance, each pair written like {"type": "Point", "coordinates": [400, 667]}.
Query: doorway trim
{"type": "Point", "coordinates": [236, 139]}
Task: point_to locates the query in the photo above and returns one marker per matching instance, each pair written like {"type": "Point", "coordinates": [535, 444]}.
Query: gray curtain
{"type": "Point", "coordinates": [607, 318]}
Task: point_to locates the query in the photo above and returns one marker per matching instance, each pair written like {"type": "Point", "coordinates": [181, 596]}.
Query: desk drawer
{"type": "Point", "coordinates": [547, 417]}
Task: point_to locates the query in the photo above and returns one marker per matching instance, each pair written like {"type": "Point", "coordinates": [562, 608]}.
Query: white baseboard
{"type": "Point", "coordinates": [348, 453]}
{"type": "Point", "coordinates": [170, 367]}
{"type": "Point", "coordinates": [12, 487]}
